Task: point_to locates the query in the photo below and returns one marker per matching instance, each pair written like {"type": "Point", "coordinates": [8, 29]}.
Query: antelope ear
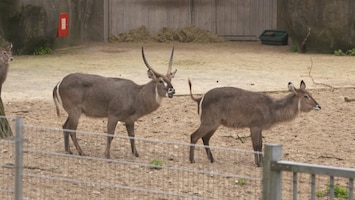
{"type": "Point", "coordinates": [303, 85]}
{"type": "Point", "coordinates": [291, 87]}
{"type": "Point", "coordinates": [10, 46]}
{"type": "Point", "coordinates": [151, 75]}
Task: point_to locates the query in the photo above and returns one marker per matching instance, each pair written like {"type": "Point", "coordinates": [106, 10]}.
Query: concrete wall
{"type": "Point", "coordinates": [33, 23]}
{"type": "Point", "coordinates": [319, 25]}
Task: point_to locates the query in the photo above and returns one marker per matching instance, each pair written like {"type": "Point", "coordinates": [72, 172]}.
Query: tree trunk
{"type": "Point", "coordinates": [5, 128]}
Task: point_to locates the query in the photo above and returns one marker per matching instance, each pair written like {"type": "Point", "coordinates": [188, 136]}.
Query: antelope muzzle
{"type": "Point", "coordinates": [171, 92]}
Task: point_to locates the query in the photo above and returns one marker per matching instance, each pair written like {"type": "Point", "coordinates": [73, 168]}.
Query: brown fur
{"type": "Point", "coordinates": [238, 108]}
{"type": "Point", "coordinates": [5, 58]}
{"type": "Point", "coordinates": [115, 98]}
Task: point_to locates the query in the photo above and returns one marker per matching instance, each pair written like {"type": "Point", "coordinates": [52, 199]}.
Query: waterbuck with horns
{"type": "Point", "coordinates": [238, 108]}
{"type": "Point", "coordinates": [115, 98]}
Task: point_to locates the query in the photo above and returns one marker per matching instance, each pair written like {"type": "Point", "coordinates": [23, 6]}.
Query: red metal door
{"type": "Point", "coordinates": [63, 25]}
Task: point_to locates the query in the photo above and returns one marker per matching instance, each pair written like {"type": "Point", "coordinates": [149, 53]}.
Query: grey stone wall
{"type": "Point", "coordinates": [30, 24]}
{"type": "Point", "coordinates": [319, 25]}
{"type": "Point", "coordinates": [313, 25]}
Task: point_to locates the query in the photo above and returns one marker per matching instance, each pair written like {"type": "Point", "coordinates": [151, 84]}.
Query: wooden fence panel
{"type": "Point", "coordinates": [245, 19]}
{"type": "Point", "coordinates": [129, 14]}
{"type": "Point", "coordinates": [232, 19]}
{"type": "Point", "coordinates": [204, 14]}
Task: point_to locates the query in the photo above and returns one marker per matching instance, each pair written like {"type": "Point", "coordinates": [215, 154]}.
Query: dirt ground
{"type": "Point", "coordinates": [319, 137]}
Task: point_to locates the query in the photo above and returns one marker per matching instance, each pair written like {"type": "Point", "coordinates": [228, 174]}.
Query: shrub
{"type": "Point", "coordinates": [42, 50]}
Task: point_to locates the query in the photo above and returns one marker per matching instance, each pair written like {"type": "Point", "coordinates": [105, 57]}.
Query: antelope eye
{"type": "Point", "coordinates": [306, 96]}
{"type": "Point", "coordinates": [161, 81]}
{"type": "Point", "coordinates": [4, 52]}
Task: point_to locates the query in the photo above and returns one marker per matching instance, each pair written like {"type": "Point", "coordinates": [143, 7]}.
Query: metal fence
{"type": "Point", "coordinates": [338, 182]}
{"type": "Point", "coordinates": [34, 166]}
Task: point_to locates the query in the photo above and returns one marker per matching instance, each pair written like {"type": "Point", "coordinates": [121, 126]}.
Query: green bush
{"type": "Point", "coordinates": [42, 50]}
{"type": "Point", "coordinates": [350, 52]}
{"type": "Point", "coordinates": [339, 52]}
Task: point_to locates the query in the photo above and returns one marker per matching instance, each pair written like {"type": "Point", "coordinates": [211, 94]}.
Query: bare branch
{"type": "Point", "coordinates": [315, 83]}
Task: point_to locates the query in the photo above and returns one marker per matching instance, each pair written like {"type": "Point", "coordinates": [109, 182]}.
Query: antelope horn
{"type": "Point", "coordinates": [170, 62]}
{"type": "Point", "coordinates": [147, 64]}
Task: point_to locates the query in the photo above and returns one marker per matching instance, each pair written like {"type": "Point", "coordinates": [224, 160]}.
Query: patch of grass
{"type": "Point", "coordinates": [241, 181]}
{"type": "Point", "coordinates": [321, 193]}
{"type": "Point", "coordinates": [293, 48]}
{"type": "Point", "coordinates": [156, 164]}
{"type": "Point", "coordinates": [42, 50]}
{"type": "Point", "coordinates": [339, 192]}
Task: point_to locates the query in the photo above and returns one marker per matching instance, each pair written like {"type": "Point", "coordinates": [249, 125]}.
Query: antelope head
{"type": "Point", "coordinates": [163, 82]}
{"type": "Point", "coordinates": [6, 55]}
{"type": "Point", "coordinates": [306, 102]}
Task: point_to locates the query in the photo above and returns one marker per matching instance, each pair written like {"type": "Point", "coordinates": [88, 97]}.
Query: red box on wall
{"type": "Point", "coordinates": [63, 25]}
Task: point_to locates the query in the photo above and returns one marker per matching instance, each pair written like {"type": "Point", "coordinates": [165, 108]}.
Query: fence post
{"type": "Point", "coordinates": [18, 158]}
{"type": "Point", "coordinates": [271, 179]}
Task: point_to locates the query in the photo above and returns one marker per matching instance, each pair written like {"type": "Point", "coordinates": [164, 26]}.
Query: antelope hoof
{"type": "Point", "coordinates": [210, 157]}
{"type": "Point", "coordinates": [68, 152]}
{"type": "Point", "coordinates": [107, 155]}
{"type": "Point", "coordinates": [82, 154]}
{"type": "Point", "coordinates": [136, 154]}
{"type": "Point", "coordinates": [258, 163]}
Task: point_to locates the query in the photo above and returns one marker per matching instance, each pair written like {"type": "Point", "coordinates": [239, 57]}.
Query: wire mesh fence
{"type": "Point", "coordinates": [35, 166]}
{"type": "Point", "coordinates": [162, 170]}
{"type": "Point", "coordinates": [7, 163]}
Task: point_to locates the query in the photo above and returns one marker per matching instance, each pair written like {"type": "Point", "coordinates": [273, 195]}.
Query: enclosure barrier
{"type": "Point", "coordinates": [19, 157]}
{"type": "Point", "coordinates": [274, 166]}
{"type": "Point", "coordinates": [33, 166]}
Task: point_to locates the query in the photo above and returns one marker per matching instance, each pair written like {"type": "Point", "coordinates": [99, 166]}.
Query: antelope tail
{"type": "Point", "coordinates": [192, 96]}
{"type": "Point", "coordinates": [56, 98]}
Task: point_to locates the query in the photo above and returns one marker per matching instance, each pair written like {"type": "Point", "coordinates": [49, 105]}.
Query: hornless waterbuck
{"type": "Point", "coordinates": [115, 98]}
{"type": "Point", "coordinates": [5, 58]}
{"type": "Point", "coordinates": [238, 108]}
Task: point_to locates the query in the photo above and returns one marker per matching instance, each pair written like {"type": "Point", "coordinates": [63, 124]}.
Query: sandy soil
{"type": "Point", "coordinates": [323, 137]}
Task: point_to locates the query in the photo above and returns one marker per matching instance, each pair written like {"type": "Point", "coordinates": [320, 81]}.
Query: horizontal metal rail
{"type": "Point", "coordinates": [312, 169]}
{"type": "Point", "coordinates": [274, 166]}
